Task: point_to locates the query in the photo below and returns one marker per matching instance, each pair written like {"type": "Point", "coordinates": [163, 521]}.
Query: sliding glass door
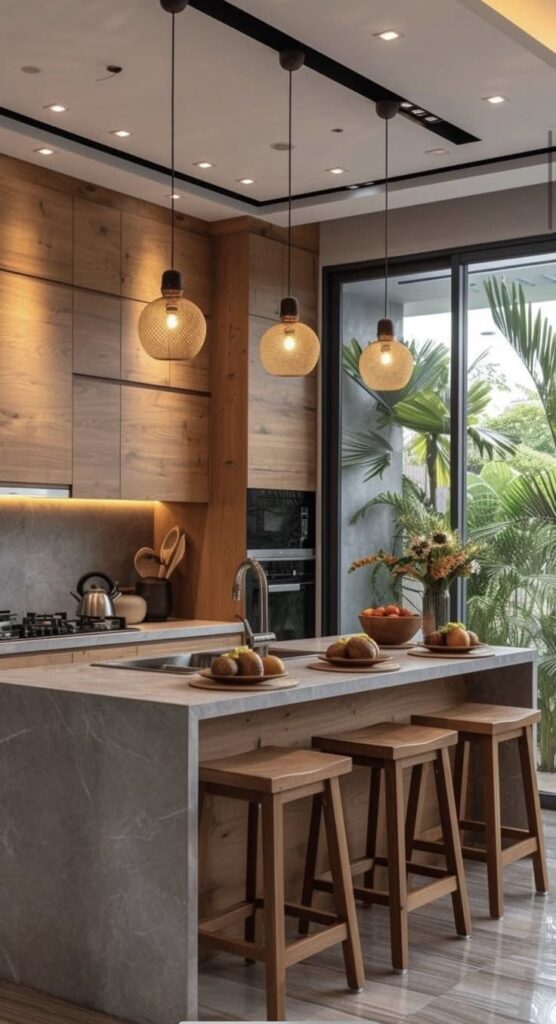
{"type": "Point", "coordinates": [471, 439]}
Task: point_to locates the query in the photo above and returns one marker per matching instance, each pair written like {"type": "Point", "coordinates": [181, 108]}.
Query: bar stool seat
{"type": "Point", "coordinates": [267, 779]}
{"type": "Point", "coordinates": [388, 748]}
{"type": "Point", "coordinates": [485, 727]}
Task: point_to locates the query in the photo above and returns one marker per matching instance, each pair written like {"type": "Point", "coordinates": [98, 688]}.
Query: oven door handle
{"type": "Point", "coordinates": [284, 588]}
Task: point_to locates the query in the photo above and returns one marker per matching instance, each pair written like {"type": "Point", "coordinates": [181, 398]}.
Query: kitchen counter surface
{"type": "Point", "coordinates": [102, 874]}
{"type": "Point", "coordinates": [147, 632]}
{"type": "Point", "coordinates": [167, 688]}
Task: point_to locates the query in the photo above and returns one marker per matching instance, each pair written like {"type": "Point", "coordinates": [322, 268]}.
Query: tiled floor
{"type": "Point", "coordinates": [505, 972]}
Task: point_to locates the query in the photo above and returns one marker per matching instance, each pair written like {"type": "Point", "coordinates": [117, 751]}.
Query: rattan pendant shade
{"type": "Point", "coordinates": [172, 327]}
{"type": "Point", "coordinates": [386, 364]}
{"type": "Point", "coordinates": [290, 348]}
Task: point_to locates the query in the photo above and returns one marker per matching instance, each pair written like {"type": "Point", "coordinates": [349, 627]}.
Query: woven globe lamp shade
{"type": "Point", "coordinates": [386, 364]}
{"type": "Point", "coordinates": [290, 348]}
{"type": "Point", "coordinates": [172, 327]}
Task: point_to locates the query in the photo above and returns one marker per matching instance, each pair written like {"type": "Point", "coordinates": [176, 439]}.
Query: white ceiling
{"type": "Point", "coordinates": [231, 97]}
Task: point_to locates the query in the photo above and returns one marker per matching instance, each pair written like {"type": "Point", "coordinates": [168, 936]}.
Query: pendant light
{"type": "Point", "coordinates": [386, 364]}
{"type": "Point", "coordinates": [290, 348]}
{"type": "Point", "coordinates": [172, 327]}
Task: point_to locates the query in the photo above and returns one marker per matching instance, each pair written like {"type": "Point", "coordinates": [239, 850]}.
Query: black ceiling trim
{"type": "Point", "coordinates": [228, 14]}
{"type": "Point", "coordinates": [138, 161]}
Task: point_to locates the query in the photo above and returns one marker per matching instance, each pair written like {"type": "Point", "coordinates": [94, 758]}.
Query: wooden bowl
{"type": "Point", "coordinates": [393, 630]}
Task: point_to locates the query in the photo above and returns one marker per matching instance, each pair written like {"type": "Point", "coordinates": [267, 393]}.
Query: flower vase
{"type": "Point", "coordinates": [436, 609]}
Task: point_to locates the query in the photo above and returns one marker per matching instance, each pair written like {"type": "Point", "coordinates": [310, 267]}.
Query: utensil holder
{"type": "Point", "coordinates": [158, 595]}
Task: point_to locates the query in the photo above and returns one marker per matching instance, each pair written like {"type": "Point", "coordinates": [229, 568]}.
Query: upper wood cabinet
{"type": "Point", "coordinates": [164, 445]}
{"type": "Point", "coordinates": [35, 381]}
{"type": "Point", "coordinates": [282, 424]}
{"type": "Point", "coordinates": [138, 365]}
{"type": "Point", "coordinates": [96, 334]}
{"type": "Point", "coordinates": [145, 256]}
{"type": "Point", "coordinates": [193, 257]}
{"type": "Point", "coordinates": [97, 246]}
{"type": "Point", "coordinates": [96, 438]}
{"type": "Point", "coordinates": [36, 230]}
{"type": "Point", "coordinates": [268, 278]}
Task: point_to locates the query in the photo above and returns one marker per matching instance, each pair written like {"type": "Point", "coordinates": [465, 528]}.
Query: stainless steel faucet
{"type": "Point", "coordinates": [262, 639]}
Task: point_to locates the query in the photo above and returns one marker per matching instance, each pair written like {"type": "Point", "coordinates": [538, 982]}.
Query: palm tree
{"type": "Point", "coordinates": [422, 407]}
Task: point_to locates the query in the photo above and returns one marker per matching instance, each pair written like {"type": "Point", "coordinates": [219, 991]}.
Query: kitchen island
{"type": "Point", "coordinates": [99, 860]}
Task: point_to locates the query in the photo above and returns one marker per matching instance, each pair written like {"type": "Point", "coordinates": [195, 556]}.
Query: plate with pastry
{"type": "Point", "coordinates": [356, 651]}
{"type": "Point", "coordinates": [453, 639]}
{"type": "Point", "coordinates": [243, 665]}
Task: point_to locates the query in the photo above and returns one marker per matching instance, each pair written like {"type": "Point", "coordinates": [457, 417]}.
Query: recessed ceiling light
{"type": "Point", "coordinates": [432, 117]}
{"type": "Point", "coordinates": [388, 36]}
{"type": "Point", "coordinates": [494, 99]}
{"type": "Point", "coordinates": [439, 151]}
{"type": "Point", "coordinates": [122, 133]}
{"type": "Point", "coordinates": [173, 195]}
{"type": "Point", "coordinates": [205, 165]}
{"type": "Point", "coordinates": [56, 108]}
{"type": "Point", "coordinates": [353, 186]}
{"type": "Point", "coordinates": [336, 170]}
{"type": "Point", "coordinates": [405, 104]}
{"type": "Point", "coordinates": [246, 181]}
{"type": "Point", "coordinates": [417, 111]}
{"type": "Point", "coordinates": [44, 151]}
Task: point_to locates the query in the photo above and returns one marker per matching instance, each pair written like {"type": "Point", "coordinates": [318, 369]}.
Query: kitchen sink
{"type": "Point", "coordinates": [186, 663]}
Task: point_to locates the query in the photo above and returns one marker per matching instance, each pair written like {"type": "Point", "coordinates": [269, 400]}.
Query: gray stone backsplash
{"type": "Point", "coordinates": [45, 546]}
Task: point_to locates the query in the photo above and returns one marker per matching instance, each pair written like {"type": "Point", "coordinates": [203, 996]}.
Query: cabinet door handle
{"type": "Point", "coordinates": [284, 588]}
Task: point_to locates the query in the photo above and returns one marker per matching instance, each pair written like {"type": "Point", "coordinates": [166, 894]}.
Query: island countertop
{"type": "Point", "coordinates": [174, 689]}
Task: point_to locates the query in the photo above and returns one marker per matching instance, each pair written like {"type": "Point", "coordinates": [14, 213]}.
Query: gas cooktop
{"type": "Point", "coordinates": [33, 626]}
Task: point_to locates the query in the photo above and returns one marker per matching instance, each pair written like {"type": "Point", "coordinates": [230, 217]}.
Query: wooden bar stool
{"type": "Point", "coordinates": [269, 778]}
{"type": "Point", "coordinates": [389, 748]}
{"type": "Point", "coordinates": [486, 726]}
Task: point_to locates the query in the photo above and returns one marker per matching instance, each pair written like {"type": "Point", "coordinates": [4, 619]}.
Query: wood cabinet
{"type": "Point", "coordinates": [36, 230]}
{"type": "Point", "coordinates": [96, 334]}
{"type": "Point", "coordinates": [145, 256]}
{"type": "Point", "coordinates": [97, 246]}
{"type": "Point", "coordinates": [35, 381]}
{"type": "Point", "coordinates": [268, 278]}
{"type": "Point", "coordinates": [96, 438]}
{"type": "Point", "coordinates": [138, 365]}
{"type": "Point", "coordinates": [282, 424]}
{"type": "Point", "coordinates": [164, 445]}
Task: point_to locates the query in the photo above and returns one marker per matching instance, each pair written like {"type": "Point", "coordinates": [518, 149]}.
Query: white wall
{"type": "Point", "coordinates": [472, 220]}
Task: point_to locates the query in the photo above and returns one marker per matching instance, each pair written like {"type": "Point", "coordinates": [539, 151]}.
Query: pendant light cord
{"type": "Point", "coordinates": [290, 147]}
{"type": "Point", "coordinates": [172, 130]}
{"type": "Point", "coordinates": [386, 220]}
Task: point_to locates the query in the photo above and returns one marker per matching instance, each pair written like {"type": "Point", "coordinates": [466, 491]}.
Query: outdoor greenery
{"type": "Point", "coordinates": [511, 488]}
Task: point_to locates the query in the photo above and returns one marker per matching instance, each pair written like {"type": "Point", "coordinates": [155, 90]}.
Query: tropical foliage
{"type": "Point", "coordinates": [511, 496]}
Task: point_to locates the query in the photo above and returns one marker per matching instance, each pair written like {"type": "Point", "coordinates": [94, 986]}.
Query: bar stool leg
{"type": "Point", "coordinates": [251, 870]}
{"type": "Point", "coordinates": [311, 859]}
{"type": "Point", "coordinates": [461, 777]}
{"type": "Point", "coordinates": [397, 876]}
{"type": "Point", "coordinates": [533, 806]}
{"type": "Point", "coordinates": [493, 825]}
{"type": "Point", "coordinates": [372, 826]}
{"type": "Point", "coordinates": [451, 839]}
{"type": "Point", "coordinates": [274, 919]}
{"type": "Point", "coordinates": [413, 803]}
{"type": "Point", "coordinates": [342, 882]}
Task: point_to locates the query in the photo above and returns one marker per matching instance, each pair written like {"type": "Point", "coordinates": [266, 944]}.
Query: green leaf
{"type": "Point", "coordinates": [368, 449]}
{"type": "Point", "coordinates": [423, 413]}
{"type": "Point", "coordinates": [532, 497]}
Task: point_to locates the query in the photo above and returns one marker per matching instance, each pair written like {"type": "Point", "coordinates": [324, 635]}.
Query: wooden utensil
{"type": "Point", "coordinates": [146, 562]}
{"type": "Point", "coordinates": [177, 557]}
{"type": "Point", "coordinates": [167, 549]}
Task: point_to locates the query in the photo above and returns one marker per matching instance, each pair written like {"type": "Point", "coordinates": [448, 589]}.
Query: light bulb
{"type": "Point", "coordinates": [289, 343]}
{"type": "Point", "coordinates": [171, 321]}
{"type": "Point", "coordinates": [386, 355]}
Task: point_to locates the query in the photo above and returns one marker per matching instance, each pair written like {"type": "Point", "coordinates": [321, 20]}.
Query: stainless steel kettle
{"type": "Point", "coordinates": [95, 594]}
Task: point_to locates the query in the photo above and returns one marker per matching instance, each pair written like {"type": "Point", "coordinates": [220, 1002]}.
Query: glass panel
{"type": "Point", "coordinates": [396, 446]}
{"type": "Point", "coordinates": [511, 463]}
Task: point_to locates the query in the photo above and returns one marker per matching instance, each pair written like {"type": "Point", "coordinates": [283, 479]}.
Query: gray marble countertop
{"type": "Point", "coordinates": [169, 688]}
{"type": "Point", "coordinates": [147, 632]}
